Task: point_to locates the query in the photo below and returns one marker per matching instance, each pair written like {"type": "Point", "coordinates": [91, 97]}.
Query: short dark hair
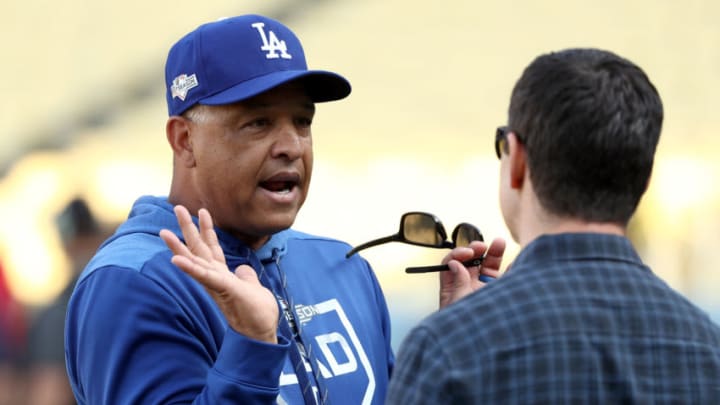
{"type": "Point", "coordinates": [76, 220]}
{"type": "Point", "coordinates": [590, 121]}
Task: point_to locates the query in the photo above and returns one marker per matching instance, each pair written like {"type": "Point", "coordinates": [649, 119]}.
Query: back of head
{"type": "Point", "coordinates": [590, 122]}
{"type": "Point", "coordinates": [80, 231]}
{"type": "Point", "coordinates": [76, 220]}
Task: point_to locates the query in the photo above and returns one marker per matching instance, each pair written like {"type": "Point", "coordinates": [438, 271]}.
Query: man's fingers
{"type": "Point", "coordinates": [189, 231]}
{"type": "Point", "coordinates": [193, 239]}
{"type": "Point", "coordinates": [203, 272]}
{"type": "Point", "coordinates": [174, 244]}
{"type": "Point", "coordinates": [497, 247]}
{"type": "Point", "coordinates": [462, 277]}
{"type": "Point", "coordinates": [461, 253]}
{"type": "Point", "coordinates": [490, 273]}
{"type": "Point", "coordinates": [494, 255]}
{"type": "Point", "coordinates": [209, 236]}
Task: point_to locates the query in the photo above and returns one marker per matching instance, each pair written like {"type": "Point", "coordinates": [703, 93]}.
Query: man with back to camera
{"type": "Point", "coordinates": [296, 322]}
{"type": "Point", "coordinates": [578, 318]}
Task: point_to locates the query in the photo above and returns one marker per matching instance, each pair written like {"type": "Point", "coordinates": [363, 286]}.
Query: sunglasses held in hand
{"type": "Point", "coordinates": [424, 229]}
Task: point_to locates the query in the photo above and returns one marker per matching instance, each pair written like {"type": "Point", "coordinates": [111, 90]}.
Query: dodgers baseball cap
{"type": "Point", "coordinates": [236, 58]}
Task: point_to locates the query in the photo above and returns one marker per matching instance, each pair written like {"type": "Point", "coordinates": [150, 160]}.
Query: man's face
{"type": "Point", "coordinates": [253, 162]}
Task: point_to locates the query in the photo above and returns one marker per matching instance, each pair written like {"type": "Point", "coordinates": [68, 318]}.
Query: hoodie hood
{"type": "Point", "coordinates": [148, 215]}
{"type": "Point", "coordinates": [137, 240]}
{"type": "Point", "coordinates": [151, 214]}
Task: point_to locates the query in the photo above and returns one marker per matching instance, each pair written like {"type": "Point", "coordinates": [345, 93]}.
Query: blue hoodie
{"type": "Point", "coordinates": [139, 330]}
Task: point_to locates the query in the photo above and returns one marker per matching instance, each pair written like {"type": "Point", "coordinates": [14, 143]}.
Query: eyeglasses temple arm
{"type": "Point", "coordinates": [443, 267]}
{"type": "Point", "coordinates": [391, 238]}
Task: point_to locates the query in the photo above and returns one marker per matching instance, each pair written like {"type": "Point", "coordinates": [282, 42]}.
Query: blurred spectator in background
{"type": "Point", "coordinates": [48, 383]}
{"type": "Point", "coordinates": [12, 344]}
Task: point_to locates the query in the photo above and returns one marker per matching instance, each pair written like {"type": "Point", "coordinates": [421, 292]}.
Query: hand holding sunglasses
{"type": "Point", "coordinates": [424, 229]}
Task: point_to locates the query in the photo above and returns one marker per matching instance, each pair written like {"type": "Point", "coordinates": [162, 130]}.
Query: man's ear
{"type": "Point", "coordinates": [517, 160]}
{"type": "Point", "coordinates": [177, 131]}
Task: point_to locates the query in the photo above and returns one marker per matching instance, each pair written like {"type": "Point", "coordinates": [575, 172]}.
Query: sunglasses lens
{"type": "Point", "coordinates": [421, 229]}
{"type": "Point", "coordinates": [500, 141]}
{"type": "Point", "coordinates": [501, 148]}
{"type": "Point", "coordinates": [466, 233]}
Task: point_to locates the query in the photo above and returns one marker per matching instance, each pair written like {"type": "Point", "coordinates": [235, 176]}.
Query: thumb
{"type": "Point", "coordinates": [462, 275]}
{"type": "Point", "coordinates": [246, 273]}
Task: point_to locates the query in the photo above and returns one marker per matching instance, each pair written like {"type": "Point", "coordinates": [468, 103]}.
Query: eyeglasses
{"type": "Point", "coordinates": [501, 140]}
{"type": "Point", "coordinates": [424, 229]}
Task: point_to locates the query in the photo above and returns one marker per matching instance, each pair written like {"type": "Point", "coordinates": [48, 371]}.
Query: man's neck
{"type": "Point", "coordinates": [552, 225]}
{"type": "Point", "coordinates": [533, 220]}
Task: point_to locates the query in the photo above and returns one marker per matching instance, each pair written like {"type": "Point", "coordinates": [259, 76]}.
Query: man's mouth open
{"type": "Point", "coordinates": [280, 187]}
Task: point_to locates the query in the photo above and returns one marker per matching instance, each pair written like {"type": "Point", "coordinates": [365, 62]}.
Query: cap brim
{"type": "Point", "coordinates": [320, 85]}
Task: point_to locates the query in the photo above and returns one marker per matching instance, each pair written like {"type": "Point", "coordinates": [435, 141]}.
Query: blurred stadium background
{"type": "Point", "coordinates": [83, 113]}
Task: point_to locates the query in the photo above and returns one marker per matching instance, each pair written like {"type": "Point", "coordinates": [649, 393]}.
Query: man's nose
{"type": "Point", "coordinates": [289, 142]}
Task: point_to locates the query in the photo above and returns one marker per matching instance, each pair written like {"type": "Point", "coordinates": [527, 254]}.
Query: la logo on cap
{"type": "Point", "coordinates": [271, 43]}
{"type": "Point", "coordinates": [182, 84]}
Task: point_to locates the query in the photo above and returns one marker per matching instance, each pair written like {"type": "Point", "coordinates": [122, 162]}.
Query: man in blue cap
{"type": "Point", "coordinates": [295, 321]}
{"type": "Point", "coordinates": [241, 103]}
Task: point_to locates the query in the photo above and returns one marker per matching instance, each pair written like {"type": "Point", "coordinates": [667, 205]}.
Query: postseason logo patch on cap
{"type": "Point", "coordinates": [182, 84]}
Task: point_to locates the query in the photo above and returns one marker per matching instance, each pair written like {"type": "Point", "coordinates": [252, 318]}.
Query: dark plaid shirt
{"type": "Point", "coordinates": [578, 319]}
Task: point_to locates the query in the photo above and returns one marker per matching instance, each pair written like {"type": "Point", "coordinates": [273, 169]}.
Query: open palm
{"type": "Point", "coordinates": [249, 307]}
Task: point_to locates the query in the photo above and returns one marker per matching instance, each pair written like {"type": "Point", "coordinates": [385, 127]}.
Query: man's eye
{"type": "Point", "coordinates": [304, 122]}
{"type": "Point", "coordinates": [259, 123]}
